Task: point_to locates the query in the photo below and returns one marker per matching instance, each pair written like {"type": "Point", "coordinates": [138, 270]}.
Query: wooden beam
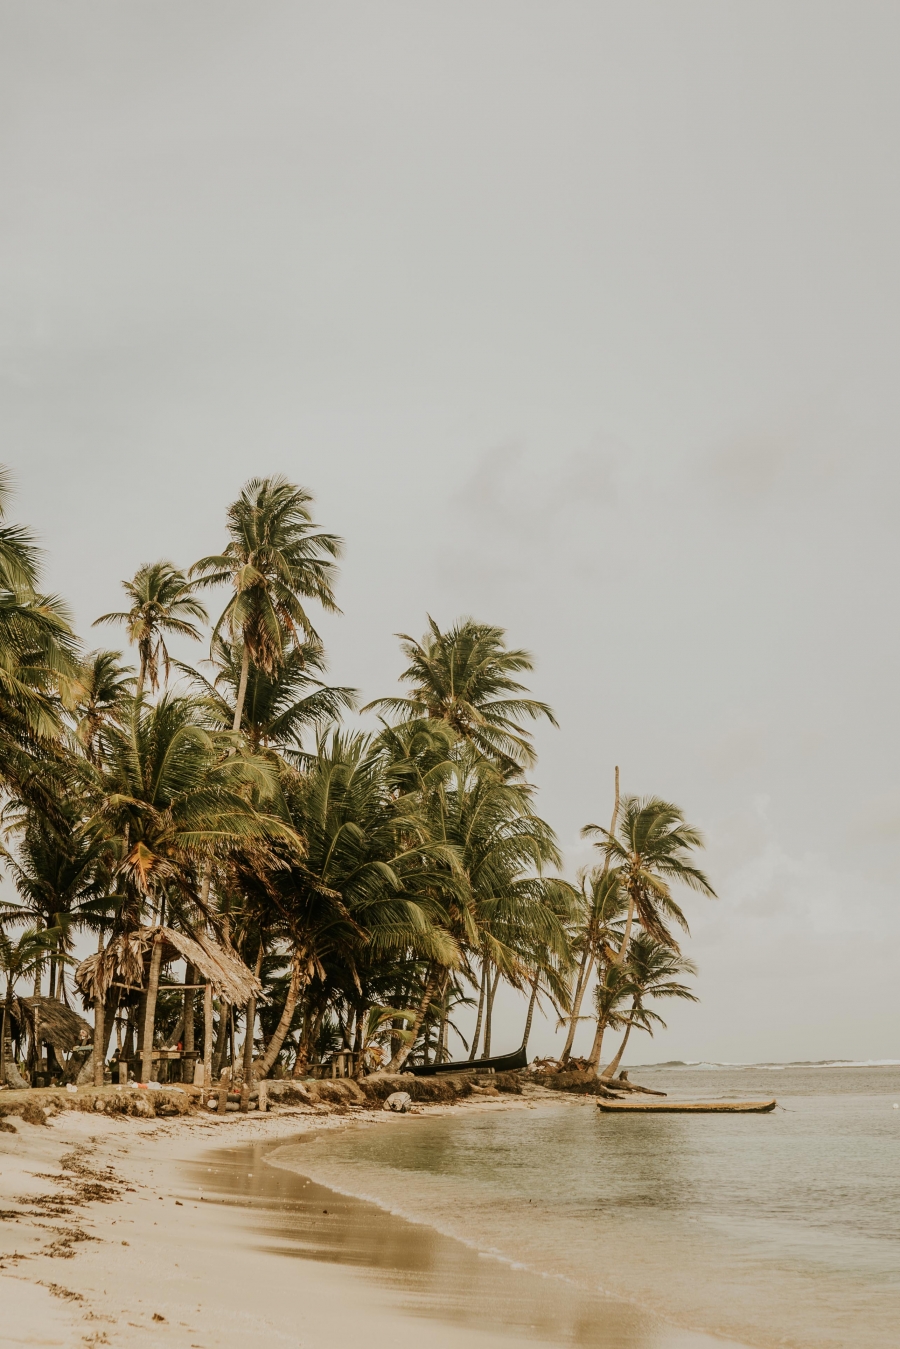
{"type": "Point", "coordinates": [207, 1035]}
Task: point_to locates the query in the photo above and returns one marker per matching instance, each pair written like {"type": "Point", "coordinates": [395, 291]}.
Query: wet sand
{"type": "Point", "coordinates": [422, 1273]}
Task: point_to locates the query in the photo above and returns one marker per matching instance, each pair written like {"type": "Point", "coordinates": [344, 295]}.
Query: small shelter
{"type": "Point", "coordinates": [47, 1021]}
{"type": "Point", "coordinates": [123, 963]}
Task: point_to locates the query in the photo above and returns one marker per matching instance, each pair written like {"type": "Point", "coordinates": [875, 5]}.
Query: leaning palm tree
{"type": "Point", "coordinates": [466, 677]}
{"type": "Point", "coordinates": [654, 971]}
{"type": "Point", "coordinates": [163, 604]}
{"type": "Point", "coordinates": [598, 933]}
{"type": "Point", "coordinates": [613, 994]}
{"type": "Point", "coordinates": [38, 663]}
{"type": "Point", "coordinates": [651, 848]}
{"type": "Point", "coordinates": [275, 560]}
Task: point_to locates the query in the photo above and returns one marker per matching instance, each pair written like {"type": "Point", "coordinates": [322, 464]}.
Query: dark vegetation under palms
{"type": "Point", "coordinates": [374, 885]}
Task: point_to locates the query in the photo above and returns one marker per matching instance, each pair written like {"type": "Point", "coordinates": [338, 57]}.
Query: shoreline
{"type": "Point", "coordinates": [107, 1239]}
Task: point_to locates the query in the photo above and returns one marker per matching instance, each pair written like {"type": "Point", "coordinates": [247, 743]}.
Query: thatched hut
{"type": "Point", "coordinates": [123, 964]}
{"type": "Point", "coordinates": [132, 962]}
{"type": "Point", "coordinates": [47, 1021]}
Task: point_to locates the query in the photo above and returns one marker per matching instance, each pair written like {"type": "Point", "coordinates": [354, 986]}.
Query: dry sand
{"type": "Point", "coordinates": [104, 1240]}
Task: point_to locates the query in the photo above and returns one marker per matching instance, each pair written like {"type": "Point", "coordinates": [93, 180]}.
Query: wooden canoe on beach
{"type": "Point", "coordinates": [503, 1063]}
{"type": "Point", "coordinates": [703, 1107]}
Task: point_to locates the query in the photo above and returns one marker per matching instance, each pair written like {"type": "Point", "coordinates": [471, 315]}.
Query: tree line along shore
{"type": "Point", "coordinates": [267, 892]}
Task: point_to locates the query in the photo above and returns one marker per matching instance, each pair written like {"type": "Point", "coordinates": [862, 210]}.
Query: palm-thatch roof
{"type": "Point", "coordinates": [57, 1025]}
{"type": "Point", "coordinates": [121, 963]}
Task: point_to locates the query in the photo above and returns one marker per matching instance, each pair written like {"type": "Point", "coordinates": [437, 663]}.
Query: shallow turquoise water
{"type": "Point", "coordinates": [779, 1229]}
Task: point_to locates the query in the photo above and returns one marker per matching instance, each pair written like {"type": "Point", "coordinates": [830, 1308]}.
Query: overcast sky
{"type": "Point", "coordinates": [581, 318]}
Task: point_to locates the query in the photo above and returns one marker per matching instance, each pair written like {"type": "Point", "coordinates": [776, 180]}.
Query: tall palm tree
{"type": "Point", "coordinates": [465, 677]}
{"type": "Point", "coordinates": [274, 560]}
{"type": "Point", "coordinates": [651, 848]}
{"type": "Point", "coordinates": [163, 603]}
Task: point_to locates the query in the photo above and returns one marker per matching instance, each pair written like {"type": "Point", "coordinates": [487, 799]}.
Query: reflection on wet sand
{"type": "Point", "coordinates": [429, 1275]}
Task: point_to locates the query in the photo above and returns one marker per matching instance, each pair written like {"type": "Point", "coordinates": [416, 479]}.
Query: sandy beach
{"type": "Point", "coordinates": [105, 1240]}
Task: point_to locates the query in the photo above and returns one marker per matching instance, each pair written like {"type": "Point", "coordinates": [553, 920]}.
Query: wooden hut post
{"type": "Point", "coordinates": [150, 1018]}
{"type": "Point", "coordinates": [187, 1035]}
{"type": "Point", "coordinates": [207, 1034]}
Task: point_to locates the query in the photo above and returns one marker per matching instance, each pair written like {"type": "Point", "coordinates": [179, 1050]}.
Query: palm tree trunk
{"type": "Point", "coordinates": [477, 1035]}
{"type": "Point", "coordinates": [489, 1014]}
{"type": "Point", "coordinates": [530, 1016]}
{"type": "Point", "coordinates": [248, 1039]}
{"type": "Point", "coordinates": [242, 690]}
{"type": "Point", "coordinates": [580, 986]}
{"type": "Point", "coordinates": [623, 950]}
{"type": "Point", "coordinates": [312, 1024]}
{"type": "Point", "coordinates": [594, 1056]}
{"type": "Point", "coordinates": [611, 1067]}
{"type": "Point", "coordinates": [221, 1039]}
{"type": "Point", "coordinates": [587, 958]}
{"type": "Point", "coordinates": [150, 1015]}
{"type": "Point", "coordinates": [404, 1051]}
{"type": "Point", "coordinates": [273, 1048]}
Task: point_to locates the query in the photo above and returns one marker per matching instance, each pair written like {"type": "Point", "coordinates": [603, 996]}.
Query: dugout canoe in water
{"type": "Point", "coordinates": [688, 1107]}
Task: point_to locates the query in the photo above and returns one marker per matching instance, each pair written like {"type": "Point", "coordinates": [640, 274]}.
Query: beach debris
{"type": "Point", "coordinates": [399, 1102]}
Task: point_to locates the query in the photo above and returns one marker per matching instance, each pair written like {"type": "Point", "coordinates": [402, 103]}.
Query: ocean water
{"type": "Point", "coordinates": [766, 1230]}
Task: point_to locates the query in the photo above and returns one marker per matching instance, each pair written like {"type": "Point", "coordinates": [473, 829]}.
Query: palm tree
{"type": "Point", "coordinates": [654, 971]}
{"type": "Point", "coordinates": [19, 960]}
{"type": "Point", "coordinates": [465, 677]}
{"type": "Point", "coordinates": [651, 848]}
{"type": "Point", "coordinates": [365, 883]}
{"type": "Point", "coordinates": [105, 686]}
{"type": "Point", "coordinates": [613, 993]}
{"type": "Point", "coordinates": [170, 795]}
{"type": "Point", "coordinates": [163, 604]}
{"type": "Point", "coordinates": [274, 560]}
{"type": "Point", "coordinates": [599, 934]}
{"type": "Point", "coordinates": [56, 867]}
{"type": "Point", "coordinates": [37, 660]}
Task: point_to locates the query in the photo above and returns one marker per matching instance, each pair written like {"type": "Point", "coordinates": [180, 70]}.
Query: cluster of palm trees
{"type": "Point", "coordinates": [377, 883]}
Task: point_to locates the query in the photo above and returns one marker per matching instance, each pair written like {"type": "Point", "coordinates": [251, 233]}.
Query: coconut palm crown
{"type": "Point", "coordinates": [162, 604]}
{"type": "Point", "coordinates": [275, 559]}
{"type": "Point", "coordinates": [466, 677]}
{"type": "Point", "coordinates": [651, 847]}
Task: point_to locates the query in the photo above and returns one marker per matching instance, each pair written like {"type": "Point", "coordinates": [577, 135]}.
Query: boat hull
{"type": "Point", "coordinates": [504, 1063]}
{"type": "Point", "coordinates": [687, 1107]}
